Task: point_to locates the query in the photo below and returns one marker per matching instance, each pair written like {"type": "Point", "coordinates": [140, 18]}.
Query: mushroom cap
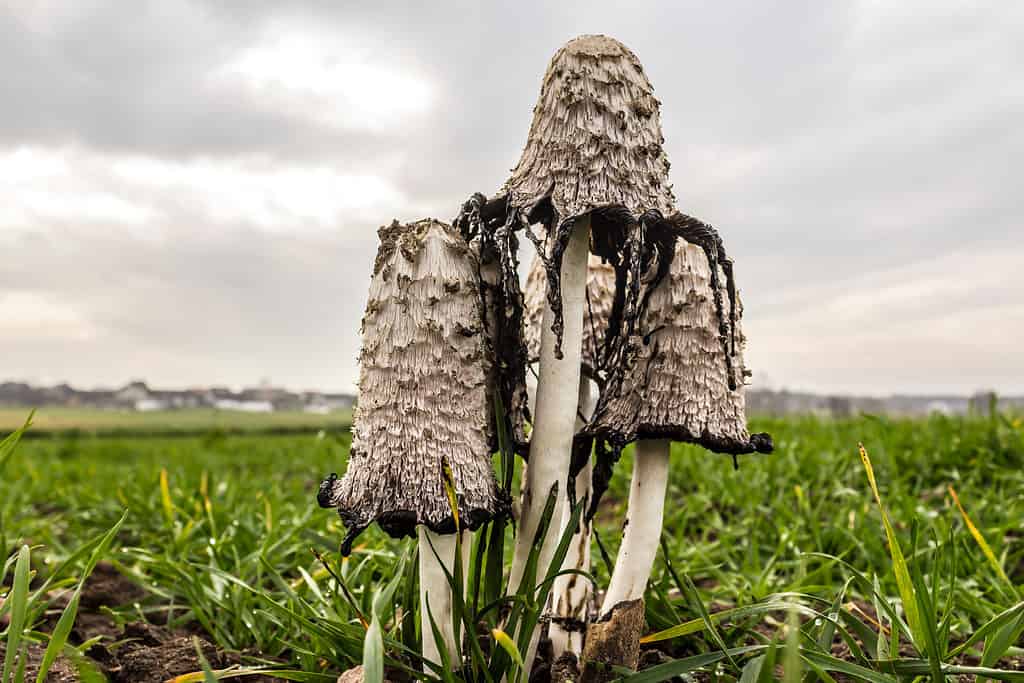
{"type": "Point", "coordinates": [423, 391]}
{"type": "Point", "coordinates": [677, 382]}
{"type": "Point", "coordinates": [600, 296]}
{"type": "Point", "coordinates": [595, 139]}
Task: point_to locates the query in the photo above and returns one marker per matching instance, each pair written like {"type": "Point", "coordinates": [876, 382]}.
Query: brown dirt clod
{"type": "Point", "coordinates": [614, 641]}
{"type": "Point", "coordinates": [154, 654]}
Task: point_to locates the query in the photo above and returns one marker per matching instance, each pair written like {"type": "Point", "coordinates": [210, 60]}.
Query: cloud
{"type": "Point", "coordinates": [919, 326]}
{"type": "Point", "coordinates": [85, 191]}
{"type": "Point", "coordinates": [198, 184]}
{"type": "Point", "coordinates": [327, 80]}
{"type": "Point", "coordinates": [29, 317]}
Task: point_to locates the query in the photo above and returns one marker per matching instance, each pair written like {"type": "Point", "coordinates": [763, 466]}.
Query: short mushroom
{"type": "Point", "coordinates": [423, 345]}
{"type": "Point", "coordinates": [684, 382]}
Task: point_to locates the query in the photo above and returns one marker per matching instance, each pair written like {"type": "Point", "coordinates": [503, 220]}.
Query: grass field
{"type": "Point", "coordinates": [49, 420]}
{"type": "Point", "coordinates": [779, 569]}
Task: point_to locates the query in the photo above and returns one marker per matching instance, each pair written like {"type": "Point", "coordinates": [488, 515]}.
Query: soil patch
{"type": "Point", "coordinates": [62, 670]}
{"type": "Point", "coordinates": [152, 654]}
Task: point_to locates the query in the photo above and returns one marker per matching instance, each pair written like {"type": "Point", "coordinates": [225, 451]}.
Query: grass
{"type": "Point", "coordinates": [799, 563]}
{"type": "Point", "coordinates": [65, 421]}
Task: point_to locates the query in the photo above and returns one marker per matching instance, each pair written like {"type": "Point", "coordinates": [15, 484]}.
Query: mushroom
{"type": "Point", "coordinates": [683, 382]}
{"type": "Point", "coordinates": [423, 347]}
{"type": "Point", "coordinates": [592, 162]}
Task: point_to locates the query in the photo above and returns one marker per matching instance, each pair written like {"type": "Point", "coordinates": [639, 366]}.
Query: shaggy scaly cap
{"type": "Point", "coordinates": [424, 369]}
{"type": "Point", "coordinates": [678, 383]}
{"type": "Point", "coordinates": [596, 135]}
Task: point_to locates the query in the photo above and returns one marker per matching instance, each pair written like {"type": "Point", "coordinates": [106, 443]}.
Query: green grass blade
{"type": "Point", "coordinates": [698, 605]}
{"type": "Point", "coordinates": [494, 562]}
{"type": "Point", "coordinates": [165, 498]}
{"type": "Point", "coordinates": [792, 665]}
{"type": "Point", "coordinates": [461, 613]}
{"type": "Point", "coordinates": [819, 672]}
{"type": "Point", "coordinates": [926, 608]}
{"type": "Point", "coordinates": [208, 676]}
{"type": "Point", "coordinates": [766, 673]}
{"type": "Point", "coordinates": [917, 667]}
{"type": "Point", "coordinates": [835, 665]}
{"type": "Point", "coordinates": [525, 593]}
{"type": "Point", "coordinates": [992, 626]}
{"type": "Point", "coordinates": [246, 671]}
{"type": "Point", "coordinates": [410, 596]}
{"type": "Point", "coordinates": [734, 614]}
{"type": "Point", "coordinates": [828, 629]}
{"type": "Point", "coordinates": [880, 603]}
{"type": "Point", "coordinates": [502, 639]}
{"type": "Point", "coordinates": [60, 634]}
{"type": "Point", "coordinates": [383, 603]}
{"type": "Point", "coordinates": [86, 670]}
{"type": "Point", "coordinates": [678, 667]}
{"type": "Point", "coordinates": [543, 588]}
{"type": "Point", "coordinates": [751, 672]}
{"type": "Point", "coordinates": [373, 653]}
{"type": "Point", "coordinates": [19, 674]}
{"type": "Point", "coordinates": [899, 564]}
{"type": "Point", "coordinates": [10, 442]}
{"type": "Point", "coordinates": [1002, 640]}
{"type": "Point", "coordinates": [18, 612]}
{"type": "Point", "coordinates": [445, 669]}
{"type": "Point", "coordinates": [983, 544]}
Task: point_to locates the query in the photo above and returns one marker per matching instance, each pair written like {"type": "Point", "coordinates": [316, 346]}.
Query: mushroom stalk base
{"type": "Point", "coordinates": [436, 591]}
{"type": "Point", "coordinates": [642, 527]}
{"type": "Point", "coordinates": [571, 592]}
{"type": "Point", "coordinates": [555, 422]}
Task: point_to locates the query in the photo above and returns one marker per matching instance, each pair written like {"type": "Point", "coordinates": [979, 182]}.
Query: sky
{"type": "Point", "coordinates": [190, 191]}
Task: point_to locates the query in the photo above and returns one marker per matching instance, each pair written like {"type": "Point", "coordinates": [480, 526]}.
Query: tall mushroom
{"type": "Point", "coordinates": [683, 382]}
{"type": "Point", "coordinates": [593, 160]}
{"type": "Point", "coordinates": [423, 346]}
{"type": "Point", "coordinates": [571, 592]}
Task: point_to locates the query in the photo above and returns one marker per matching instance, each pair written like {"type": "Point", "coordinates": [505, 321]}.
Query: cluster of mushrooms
{"type": "Point", "coordinates": [628, 331]}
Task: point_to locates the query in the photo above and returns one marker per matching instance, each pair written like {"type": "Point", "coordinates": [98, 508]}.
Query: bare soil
{"type": "Point", "coordinates": [136, 652]}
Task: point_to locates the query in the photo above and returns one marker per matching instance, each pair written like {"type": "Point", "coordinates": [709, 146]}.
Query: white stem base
{"type": "Point", "coordinates": [642, 531]}
{"type": "Point", "coordinates": [571, 593]}
{"type": "Point", "coordinates": [555, 420]}
{"type": "Point", "coordinates": [436, 591]}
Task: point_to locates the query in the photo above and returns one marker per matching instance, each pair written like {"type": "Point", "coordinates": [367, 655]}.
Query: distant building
{"type": "Point", "coordinates": [939, 408]}
{"type": "Point", "coordinates": [138, 395]}
{"type": "Point", "coordinates": [245, 406]}
{"type": "Point", "coordinates": [132, 393]}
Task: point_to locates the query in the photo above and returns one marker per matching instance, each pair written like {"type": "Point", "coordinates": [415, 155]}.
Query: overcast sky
{"type": "Point", "coordinates": [190, 191]}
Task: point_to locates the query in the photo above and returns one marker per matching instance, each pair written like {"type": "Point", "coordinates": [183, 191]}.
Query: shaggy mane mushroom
{"type": "Point", "coordinates": [423, 415]}
{"type": "Point", "coordinates": [683, 381]}
{"type": "Point", "coordinates": [592, 164]}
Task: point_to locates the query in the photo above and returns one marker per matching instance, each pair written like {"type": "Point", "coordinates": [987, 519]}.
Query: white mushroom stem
{"type": "Point", "coordinates": [555, 419]}
{"type": "Point", "coordinates": [435, 590]}
{"type": "Point", "coordinates": [642, 528]}
{"type": "Point", "coordinates": [571, 592]}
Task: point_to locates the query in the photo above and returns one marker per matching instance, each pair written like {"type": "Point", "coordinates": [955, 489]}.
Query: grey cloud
{"type": "Point", "coordinates": [229, 309]}
{"type": "Point", "coordinates": [829, 145]}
